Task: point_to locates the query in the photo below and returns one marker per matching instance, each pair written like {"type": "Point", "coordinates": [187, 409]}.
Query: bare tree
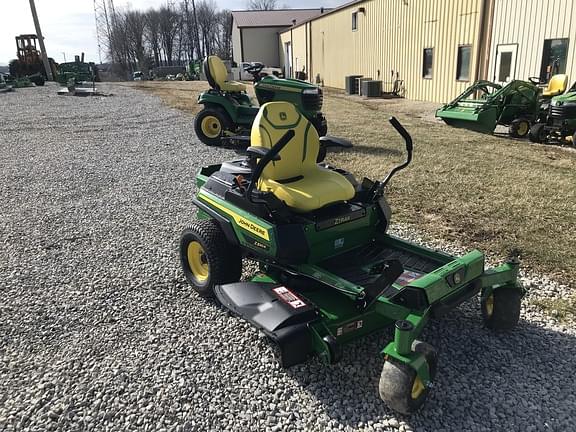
{"type": "Point", "coordinates": [135, 23]}
{"type": "Point", "coordinates": [262, 4]}
{"type": "Point", "coordinates": [207, 22]}
{"type": "Point", "coordinates": [153, 34]}
{"type": "Point", "coordinates": [168, 28]}
{"type": "Point", "coordinates": [171, 35]}
{"type": "Point", "coordinates": [223, 37]}
{"type": "Point", "coordinates": [192, 31]}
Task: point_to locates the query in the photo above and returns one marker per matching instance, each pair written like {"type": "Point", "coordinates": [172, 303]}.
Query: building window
{"type": "Point", "coordinates": [427, 64]}
{"type": "Point", "coordinates": [354, 21]}
{"type": "Point", "coordinates": [463, 63]}
{"type": "Point", "coordinates": [554, 58]}
{"type": "Point", "coordinates": [504, 73]}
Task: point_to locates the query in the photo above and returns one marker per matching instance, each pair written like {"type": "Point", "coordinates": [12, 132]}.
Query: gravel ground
{"type": "Point", "coordinates": [98, 330]}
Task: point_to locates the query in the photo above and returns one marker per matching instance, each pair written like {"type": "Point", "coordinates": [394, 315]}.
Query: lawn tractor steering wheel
{"type": "Point", "coordinates": [535, 80]}
{"type": "Point", "coordinates": [255, 70]}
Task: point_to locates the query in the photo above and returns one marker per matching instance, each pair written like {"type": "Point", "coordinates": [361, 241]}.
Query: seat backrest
{"type": "Point", "coordinates": [216, 72]}
{"type": "Point", "coordinates": [299, 156]}
{"type": "Point", "coordinates": [557, 84]}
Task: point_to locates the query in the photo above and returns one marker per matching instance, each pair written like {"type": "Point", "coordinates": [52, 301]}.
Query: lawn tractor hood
{"type": "Point", "coordinates": [280, 313]}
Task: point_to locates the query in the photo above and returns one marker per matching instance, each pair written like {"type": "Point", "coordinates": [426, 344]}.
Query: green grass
{"type": "Point", "coordinates": [563, 309]}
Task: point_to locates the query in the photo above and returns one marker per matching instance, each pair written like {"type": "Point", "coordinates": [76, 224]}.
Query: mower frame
{"type": "Point", "coordinates": [333, 275]}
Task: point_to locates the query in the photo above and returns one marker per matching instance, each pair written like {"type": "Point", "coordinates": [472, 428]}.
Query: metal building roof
{"type": "Point", "coordinates": [274, 18]}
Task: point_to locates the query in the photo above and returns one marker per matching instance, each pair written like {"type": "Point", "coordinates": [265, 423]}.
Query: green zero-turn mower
{"type": "Point", "coordinates": [229, 111]}
{"type": "Point", "coordinates": [329, 272]}
{"type": "Point", "coordinates": [559, 125]}
{"type": "Point", "coordinates": [485, 104]}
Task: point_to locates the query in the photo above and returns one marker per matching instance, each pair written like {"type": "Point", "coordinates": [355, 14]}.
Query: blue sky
{"type": "Point", "coordinates": [68, 25]}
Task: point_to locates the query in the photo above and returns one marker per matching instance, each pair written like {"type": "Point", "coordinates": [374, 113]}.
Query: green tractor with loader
{"type": "Point", "coordinates": [77, 78]}
{"type": "Point", "coordinates": [559, 125]}
{"type": "Point", "coordinates": [516, 105]}
{"type": "Point", "coordinates": [229, 111]}
{"type": "Point", "coordinates": [329, 272]}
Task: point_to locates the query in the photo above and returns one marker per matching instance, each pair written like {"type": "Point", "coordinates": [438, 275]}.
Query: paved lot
{"type": "Point", "coordinates": [98, 330]}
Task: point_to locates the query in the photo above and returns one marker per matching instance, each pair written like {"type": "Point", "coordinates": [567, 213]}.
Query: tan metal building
{"type": "Point", "coordinates": [255, 33]}
{"type": "Point", "coordinates": [435, 46]}
{"type": "Point", "coordinates": [532, 38]}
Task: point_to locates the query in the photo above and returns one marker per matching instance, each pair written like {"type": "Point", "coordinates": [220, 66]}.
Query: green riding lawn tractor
{"type": "Point", "coordinates": [229, 111]}
{"type": "Point", "coordinates": [559, 125]}
{"type": "Point", "coordinates": [517, 105]}
{"type": "Point", "coordinates": [329, 272]}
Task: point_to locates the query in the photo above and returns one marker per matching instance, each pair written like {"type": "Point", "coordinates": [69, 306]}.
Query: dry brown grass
{"type": "Point", "coordinates": [482, 191]}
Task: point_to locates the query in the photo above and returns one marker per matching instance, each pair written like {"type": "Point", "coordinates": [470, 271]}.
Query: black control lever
{"type": "Point", "coordinates": [391, 271]}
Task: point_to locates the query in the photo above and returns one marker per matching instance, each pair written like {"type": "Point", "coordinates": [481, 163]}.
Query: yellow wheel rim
{"type": "Point", "coordinates": [197, 261]}
{"type": "Point", "coordinates": [211, 126]}
{"type": "Point", "coordinates": [490, 305]}
{"type": "Point", "coordinates": [523, 128]}
{"type": "Point", "coordinates": [417, 388]}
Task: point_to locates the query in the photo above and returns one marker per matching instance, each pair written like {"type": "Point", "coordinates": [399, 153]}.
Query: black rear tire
{"type": "Point", "coordinates": [519, 128]}
{"type": "Point", "coordinates": [537, 133]}
{"type": "Point", "coordinates": [210, 125]}
{"type": "Point", "coordinates": [207, 258]}
{"type": "Point", "coordinates": [501, 308]}
{"type": "Point", "coordinates": [321, 125]}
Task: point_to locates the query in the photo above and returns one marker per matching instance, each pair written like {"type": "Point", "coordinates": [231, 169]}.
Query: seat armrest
{"type": "Point", "coordinates": [332, 141]}
{"type": "Point", "coordinates": [260, 152]}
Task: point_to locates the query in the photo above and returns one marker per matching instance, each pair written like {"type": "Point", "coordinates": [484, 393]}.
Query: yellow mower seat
{"type": "Point", "coordinates": [296, 179]}
{"type": "Point", "coordinates": [556, 86]}
{"type": "Point", "coordinates": [216, 73]}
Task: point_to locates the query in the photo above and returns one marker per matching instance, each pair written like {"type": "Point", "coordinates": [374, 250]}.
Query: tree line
{"type": "Point", "coordinates": [171, 35]}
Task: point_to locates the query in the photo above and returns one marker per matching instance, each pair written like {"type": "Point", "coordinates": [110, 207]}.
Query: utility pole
{"type": "Point", "coordinates": [41, 40]}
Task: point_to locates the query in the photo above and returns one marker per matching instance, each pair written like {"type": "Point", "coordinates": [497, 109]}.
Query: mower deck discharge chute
{"type": "Point", "coordinates": [484, 105]}
{"type": "Point", "coordinates": [229, 111]}
{"type": "Point", "coordinates": [329, 272]}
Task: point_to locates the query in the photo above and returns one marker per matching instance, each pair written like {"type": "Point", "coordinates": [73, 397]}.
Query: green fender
{"type": "Point", "coordinates": [214, 100]}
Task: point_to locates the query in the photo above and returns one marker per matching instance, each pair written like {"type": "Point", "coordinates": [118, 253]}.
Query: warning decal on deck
{"type": "Point", "coordinates": [354, 325]}
{"type": "Point", "coordinates": [407, 277]}
{"type": "Point", "coordinates": [288, 297]}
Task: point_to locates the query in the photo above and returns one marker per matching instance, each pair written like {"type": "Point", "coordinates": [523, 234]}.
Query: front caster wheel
{"type": "Point", "coordinates": [501, 308]}
{"type": "Point", "coordinates": [207, 258]}
{"type": "Point", "coordinates": [400, 387]}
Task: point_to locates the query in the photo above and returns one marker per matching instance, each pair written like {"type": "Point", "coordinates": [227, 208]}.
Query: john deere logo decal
{"type": "Point", "coordinates": [283, 116]}
{"type": "Point", "coordinates": [246, 224]}
{"type": "Point", "coordinates": [252, 227]}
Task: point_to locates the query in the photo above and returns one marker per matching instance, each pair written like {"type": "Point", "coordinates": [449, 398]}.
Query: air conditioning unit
{"type": "Point", "coordinates": [371, 88]}
{"type": "Point", "coordinates": [360, 83]}
{"type": "Point", "coordinates": [352, 84]}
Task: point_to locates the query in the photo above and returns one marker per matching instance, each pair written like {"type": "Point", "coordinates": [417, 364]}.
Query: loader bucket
{"type": "Point", "coordinates": [471, 114]}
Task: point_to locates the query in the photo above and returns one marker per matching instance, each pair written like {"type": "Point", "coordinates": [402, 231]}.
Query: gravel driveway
{"type": "Point", "coordinates": [98, 330]}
